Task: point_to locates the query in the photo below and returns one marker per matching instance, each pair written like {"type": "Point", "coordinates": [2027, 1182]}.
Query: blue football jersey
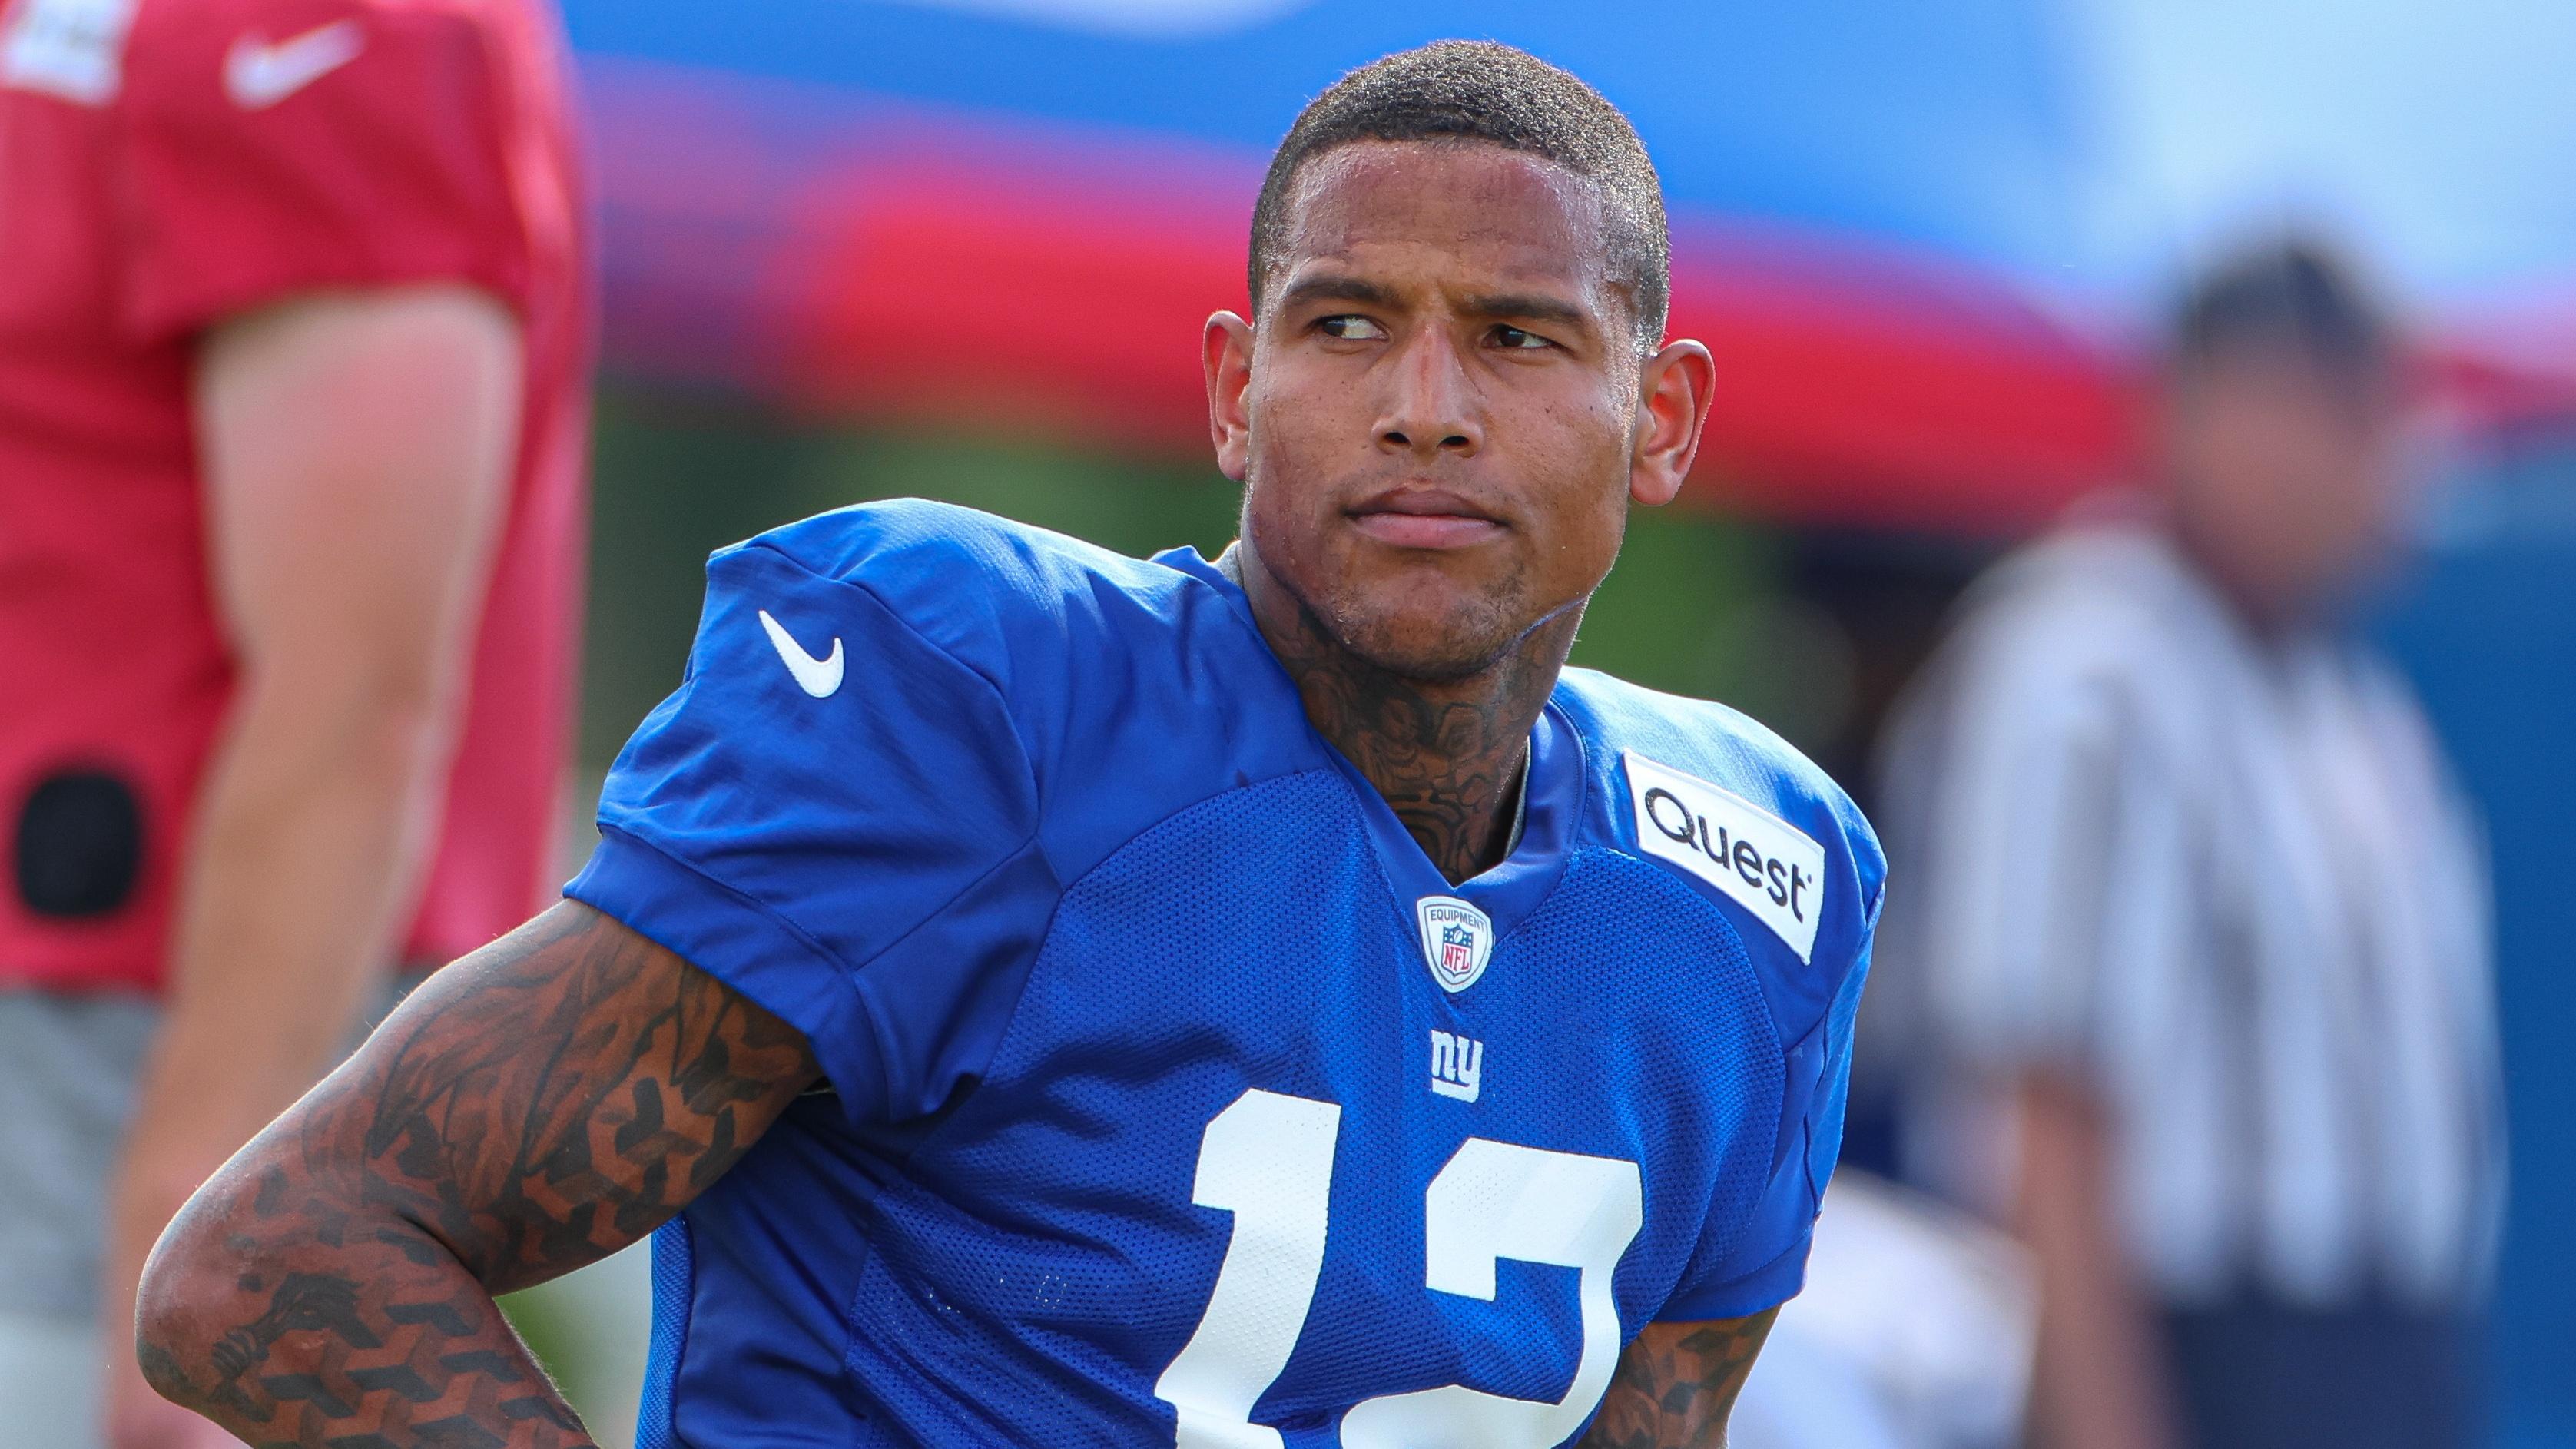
{"type": "Point", "coordinates": [1174, 1096]}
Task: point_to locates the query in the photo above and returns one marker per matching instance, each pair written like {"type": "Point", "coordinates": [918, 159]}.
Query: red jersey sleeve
{"type": "Point", "coordinates": [280, 146]}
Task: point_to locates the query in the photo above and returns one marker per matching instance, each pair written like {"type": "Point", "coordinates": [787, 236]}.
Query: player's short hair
{"type": "Point", "coordinates": [1477, 90]}
{"type": "Point", "coordinates": [2294, 297]}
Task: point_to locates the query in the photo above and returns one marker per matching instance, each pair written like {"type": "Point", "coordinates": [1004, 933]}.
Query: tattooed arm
{"type": "Point", "coordinates": [532, 1108]}
{"type": "Point", "coordinates": [1677, 1383]}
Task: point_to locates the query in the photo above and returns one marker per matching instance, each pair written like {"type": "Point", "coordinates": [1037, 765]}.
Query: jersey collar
{"type": "Point", "coordinates": [1551, 803]}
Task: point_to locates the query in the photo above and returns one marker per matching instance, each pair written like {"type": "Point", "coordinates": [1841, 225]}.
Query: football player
{"type": "Point", "coordinates": [294, 395]}
{"type": "Point", "coordinates": [1046, 998]}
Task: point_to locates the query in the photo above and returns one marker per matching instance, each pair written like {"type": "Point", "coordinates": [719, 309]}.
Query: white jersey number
{"type": "Point", "coordinates": [1268, 1159]}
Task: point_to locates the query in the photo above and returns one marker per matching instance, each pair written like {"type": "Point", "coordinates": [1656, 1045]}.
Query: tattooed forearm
{"type": "Point", "coordinates": [1677, 1383]}
{"type": "Point", "coordinates": [533, 1108]}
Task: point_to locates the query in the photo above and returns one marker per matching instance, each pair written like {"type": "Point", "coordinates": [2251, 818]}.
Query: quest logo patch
{"type": "Point", "coordinates": [1760, 861]}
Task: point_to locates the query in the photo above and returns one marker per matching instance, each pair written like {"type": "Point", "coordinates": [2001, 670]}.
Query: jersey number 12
{"type": "Point", "coordinates": [1268, 1159]}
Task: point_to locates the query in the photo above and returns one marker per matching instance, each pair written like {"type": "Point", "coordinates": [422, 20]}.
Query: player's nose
{"type": "Point", "coordinates": [1431, 405]}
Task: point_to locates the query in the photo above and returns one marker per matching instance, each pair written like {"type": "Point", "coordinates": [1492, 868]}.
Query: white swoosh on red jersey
{"type": "Point", "coordinates": [259, 73]}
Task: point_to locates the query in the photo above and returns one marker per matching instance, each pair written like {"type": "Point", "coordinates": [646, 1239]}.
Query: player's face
{"type": "Point", "coordinates": [1443, 411]}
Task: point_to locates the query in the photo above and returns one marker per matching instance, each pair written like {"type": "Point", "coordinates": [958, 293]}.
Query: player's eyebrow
{"type": "Point", "coordinates": [1330, 287]}
{"type": "Point", "coordinates": [1530, 307]}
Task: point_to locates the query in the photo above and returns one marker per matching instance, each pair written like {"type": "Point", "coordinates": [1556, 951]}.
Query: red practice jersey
{"type": "Point", "coordinates": [166, 165]}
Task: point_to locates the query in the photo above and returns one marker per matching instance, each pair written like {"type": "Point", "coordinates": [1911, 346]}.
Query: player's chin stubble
{"type": "Point", "coordinates": [1411, 621]}
{"type": "Point", "coordinates": [1421, 625]}
{"type": "Point", "coordinates": [1432, 637]}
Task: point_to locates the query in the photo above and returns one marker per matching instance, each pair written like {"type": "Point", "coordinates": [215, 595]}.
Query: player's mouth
{"type": "Point", "coordinates": [1432, 518]}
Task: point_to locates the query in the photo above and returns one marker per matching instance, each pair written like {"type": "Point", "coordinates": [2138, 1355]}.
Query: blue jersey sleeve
{"type": "Point", "coordinates": [1737, 1273]}
{"type": "Point", "coordinates": [837, 818]}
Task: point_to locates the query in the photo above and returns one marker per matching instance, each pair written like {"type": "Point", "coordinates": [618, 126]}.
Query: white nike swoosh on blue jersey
{"type": "Point", "coordinates": [820, 678]}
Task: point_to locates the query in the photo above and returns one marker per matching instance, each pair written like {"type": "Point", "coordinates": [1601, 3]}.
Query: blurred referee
{"type": "Point", "coordinates": [2200, 920]}
{"type": "Point", "coordinates": [293, 321]}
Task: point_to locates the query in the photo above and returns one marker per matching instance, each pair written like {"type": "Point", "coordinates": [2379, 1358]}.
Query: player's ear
{"type": "Point", "coordinates": [1673, 402]}
{"type": "Point", "coordinates": [1226, 355]}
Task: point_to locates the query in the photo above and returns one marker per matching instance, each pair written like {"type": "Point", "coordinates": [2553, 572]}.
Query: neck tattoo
{"type": "Point", "coordinates": [1451, 758]}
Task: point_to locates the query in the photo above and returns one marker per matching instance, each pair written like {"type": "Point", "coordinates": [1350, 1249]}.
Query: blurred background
{"type": "Point", "coordinates": [1930, 245]}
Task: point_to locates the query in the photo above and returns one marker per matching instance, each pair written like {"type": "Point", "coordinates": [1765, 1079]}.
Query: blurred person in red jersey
{"type": "Point", "coordinates": [293, 343]}
{"type": "Point", "coordinates": [2198, 919]}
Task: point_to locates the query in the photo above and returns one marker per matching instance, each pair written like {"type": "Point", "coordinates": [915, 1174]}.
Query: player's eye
{"type": "Point", "coordinates": [1517, 340]}
{"type": "Point", "coordinates": [1351, 327]}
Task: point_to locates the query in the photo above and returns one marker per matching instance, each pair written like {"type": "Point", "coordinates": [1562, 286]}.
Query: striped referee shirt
{"type": "Point", "coordinates": [2226, 880]}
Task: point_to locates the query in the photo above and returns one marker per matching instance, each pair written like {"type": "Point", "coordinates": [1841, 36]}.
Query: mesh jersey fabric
{"type": "Point", "coordinates": [1059, 882]}
{"type": "Point", "coordinates": [672, 1275]}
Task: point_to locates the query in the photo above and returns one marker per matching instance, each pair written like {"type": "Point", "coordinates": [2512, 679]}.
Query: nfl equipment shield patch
{"type": "Point", "coordinates": [1457, 939]}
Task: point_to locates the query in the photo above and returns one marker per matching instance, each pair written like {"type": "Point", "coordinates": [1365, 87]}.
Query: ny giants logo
{"type": "Point", "coordinates": [1457, 1066]}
